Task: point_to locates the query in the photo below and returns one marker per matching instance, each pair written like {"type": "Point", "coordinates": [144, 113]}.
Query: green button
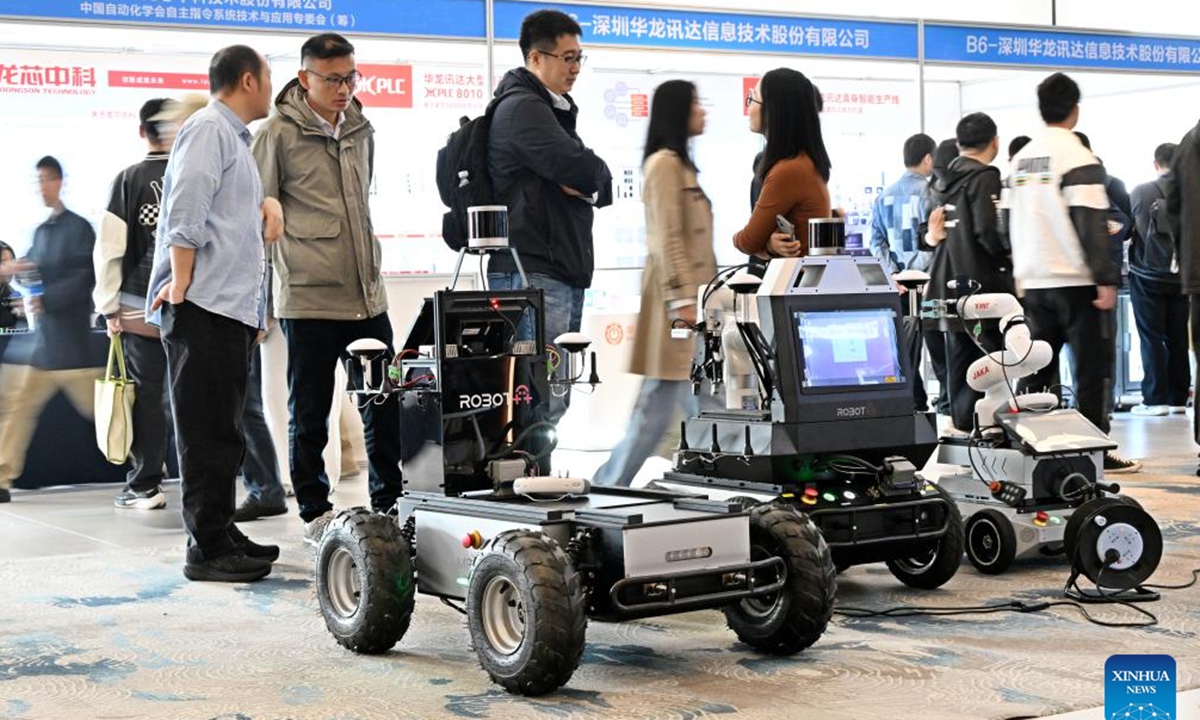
{"type": "Point", "coordinates": [829, 497]}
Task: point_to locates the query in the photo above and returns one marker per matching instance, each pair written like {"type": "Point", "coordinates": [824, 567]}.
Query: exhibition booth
{"type": "Point", "coordinates": [73, 75]}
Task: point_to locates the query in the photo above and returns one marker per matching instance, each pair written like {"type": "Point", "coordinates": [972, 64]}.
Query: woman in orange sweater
{"type": "Point", "coordinates": [794, 168]}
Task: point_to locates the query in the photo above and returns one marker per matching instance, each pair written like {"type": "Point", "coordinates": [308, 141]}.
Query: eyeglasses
{"type": "Point", "coordinates": [333, 82]}
{"type": "Point", "coordinates": [579, 59]}
{"type": "Point", "coordinates": [750, 100]}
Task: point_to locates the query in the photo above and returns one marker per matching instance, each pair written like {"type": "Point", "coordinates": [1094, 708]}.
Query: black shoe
{"type": "Point", "coordinates": [5, 495]}
{"type": "Point", "coordinates": [235, 567]}
{"type": "Point", "coordinates": [253, 550]}
{"type": "Point", "coordinates": [152, 499]}
{"type": "Point", "coordinates": [252, 509]}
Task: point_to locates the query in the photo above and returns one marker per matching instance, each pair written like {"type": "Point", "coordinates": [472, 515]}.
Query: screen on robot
{"type": "Point", "coordinates": [849, 348]}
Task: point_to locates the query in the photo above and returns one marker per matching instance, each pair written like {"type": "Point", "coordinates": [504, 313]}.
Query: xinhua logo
{"type": "Point", "coordinates": [1139, 687]}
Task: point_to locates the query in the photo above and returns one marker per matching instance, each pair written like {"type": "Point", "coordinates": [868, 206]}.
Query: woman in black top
{"type": "Point", "coordinates": [8, 319]}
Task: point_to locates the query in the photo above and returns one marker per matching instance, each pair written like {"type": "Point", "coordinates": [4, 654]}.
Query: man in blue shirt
{"type": "Point", "coordinates": [895, 234]}
{"type": "Point", "coordinates": [901, 208]}
{"type": "Point", "coordinates": [207, 294]}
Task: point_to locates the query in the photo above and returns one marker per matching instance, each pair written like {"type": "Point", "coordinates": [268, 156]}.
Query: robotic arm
{"type": "Point", "coordinates": [1022, 356]}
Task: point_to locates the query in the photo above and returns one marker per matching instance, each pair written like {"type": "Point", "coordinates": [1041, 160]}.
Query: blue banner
{"type": "Point", "coordinates": [689, 30]}
{"type": "Point", "coordinates": [1059, 50]}
{"type": "Point", "coordinates": [423, 18]}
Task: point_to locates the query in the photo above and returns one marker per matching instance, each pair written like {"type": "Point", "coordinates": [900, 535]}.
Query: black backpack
{"type": "Point", "coordinates": [1158, 251]}
{"type": "Point", "coordinates": [463, 179]}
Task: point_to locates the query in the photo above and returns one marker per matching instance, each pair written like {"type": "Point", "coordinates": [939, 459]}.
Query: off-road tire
{"type": "Point", "coordinates": [794, 618]}
{"type": "Point", "coordinates": [365, 583]}
{"type": "Point", "coordinates": [546, 593]}
{"type": "Point", "coordinates": [929, 573]}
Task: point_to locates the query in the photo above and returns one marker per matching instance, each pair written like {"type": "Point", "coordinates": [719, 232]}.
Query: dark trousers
{"type": "Point", "coordinates": [961, 351]}
{"type": "Point", "coordinates": [935, 345]}
{"type": "Point", "coordinates": [147, 364]}
{"type": "Point", "coordinates": [1161, 313]}
{"type": "Point", "coordinates": [260, 470]}
{"type": "Point", "coordinates": [208, 366]}
{"type": "Point", "coordinates": [314, 348]}
{"type": "Point", "coordinates": [912, 341]}
{"type": "Point", "coordinates": [1195, 317]}
{"type": "Point", "coordinates": [1066, 315]}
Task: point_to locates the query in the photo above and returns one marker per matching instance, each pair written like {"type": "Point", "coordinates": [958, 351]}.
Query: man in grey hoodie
{"type": "Point", "coordinates": [316, 155]}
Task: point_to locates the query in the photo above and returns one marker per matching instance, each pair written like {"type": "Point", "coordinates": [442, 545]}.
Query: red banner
{"type": "Point", "coordinates": [166, 81]}
{"type": "Point", "coordinates": [385, 86]}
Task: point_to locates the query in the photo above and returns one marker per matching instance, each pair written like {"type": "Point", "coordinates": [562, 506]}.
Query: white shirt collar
{"type": "Point", "coordinates": [330, 130]}
{"type": "Point", "coordinates": [559, 102]}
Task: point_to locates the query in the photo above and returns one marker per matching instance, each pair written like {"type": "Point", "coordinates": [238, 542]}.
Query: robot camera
{"type": "Point", "coordinates": [744, 283]}
{"type": "Point", "coordinates": [366, 351]}
{"type": "Point", "coordinates": [573, 342]}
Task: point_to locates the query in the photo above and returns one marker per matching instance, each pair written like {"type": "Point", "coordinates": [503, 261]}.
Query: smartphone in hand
{"type": "Point", "coordinates": [785, 226]}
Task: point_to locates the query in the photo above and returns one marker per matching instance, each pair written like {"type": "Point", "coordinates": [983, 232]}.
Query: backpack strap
{"type": "Point", "coordinates": [495, 103]}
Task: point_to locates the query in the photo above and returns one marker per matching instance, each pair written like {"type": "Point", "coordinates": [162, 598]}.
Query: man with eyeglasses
{"type": "Point", "coordinates": [550, 181]}
{"type": "Point", "coordinates": [316, 155]}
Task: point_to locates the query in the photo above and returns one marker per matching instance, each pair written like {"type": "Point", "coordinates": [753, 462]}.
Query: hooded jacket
{"type": "Point", "coordinates": [974, 247]}
{"type": "Point", "coordinates": [327, 264]}
{"type": "Point", "coordinates": [533, 150]}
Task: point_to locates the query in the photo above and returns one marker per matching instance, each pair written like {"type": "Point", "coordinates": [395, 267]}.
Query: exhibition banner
{"type": "Point", "coordinates": [1059, 49]}
{"type": "Point", "coordinates": [420, 18]}
{"type": "Point", "coordinates": [695, 30]}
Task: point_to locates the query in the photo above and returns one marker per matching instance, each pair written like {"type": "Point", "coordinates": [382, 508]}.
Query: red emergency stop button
{"type": "Point", "coordinates": [810, 496]}
{"type": "Point", "coordinates": [472, 540]}
{"type": "Point", "coordinates": [1041, 518]}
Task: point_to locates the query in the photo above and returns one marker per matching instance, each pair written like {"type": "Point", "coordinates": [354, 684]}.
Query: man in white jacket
{"type": "Point", "coordinates": [1062, 260]}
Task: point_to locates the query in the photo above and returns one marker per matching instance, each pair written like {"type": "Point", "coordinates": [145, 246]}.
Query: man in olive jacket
{"type": "Point", "coordinates": [315, 154]}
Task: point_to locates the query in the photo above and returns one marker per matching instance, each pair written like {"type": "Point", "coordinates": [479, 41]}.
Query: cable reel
{"type": "Point", "coordinates": [1117, 545]}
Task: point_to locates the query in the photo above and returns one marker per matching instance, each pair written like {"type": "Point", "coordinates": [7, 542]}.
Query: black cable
{"type": "Point", "coordinates": [447, 602]}
{"type": "Point", "coordinates": [1016, 606]}
{"type": "Point", "coordinates": [1195, 576]}
{"type": "Point", "coordinates": [718, 281]}
{"type": "Point", "coordinates": [761, 367]}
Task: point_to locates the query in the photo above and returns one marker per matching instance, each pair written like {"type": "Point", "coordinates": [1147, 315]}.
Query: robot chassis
{"type": "Point", "coordinates": [534, 557]}
{"type": "Point", "coordinates": [1032, 473]}
{"type": "Point", "coordinates": [819, 411]}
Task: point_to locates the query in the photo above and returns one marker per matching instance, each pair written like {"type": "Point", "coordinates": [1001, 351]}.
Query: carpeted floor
{"type": "Point", "coordinates": [125, 636]}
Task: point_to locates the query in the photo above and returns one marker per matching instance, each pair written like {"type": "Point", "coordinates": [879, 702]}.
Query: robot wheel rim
{"type": "Point", "coordinates": [345, 584]}
{"type": "Point", "coordinates": [503, 615]}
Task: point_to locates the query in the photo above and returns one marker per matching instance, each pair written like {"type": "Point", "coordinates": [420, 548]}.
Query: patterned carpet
{"type": "Point", "coordinates": [121, 636]}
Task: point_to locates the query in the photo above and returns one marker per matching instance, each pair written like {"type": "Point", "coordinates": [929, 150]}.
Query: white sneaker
{"type": "Point", "coordinates": [1179, 409]}
{"type": "Point", "coordinates": [1150, 410]}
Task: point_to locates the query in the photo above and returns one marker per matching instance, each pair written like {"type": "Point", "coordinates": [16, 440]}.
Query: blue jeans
{"type": "Point", "coordinates": [562, 313]}
{"type": "Point", "coordinates": [260, 467]}
{"type": "Point", "coordinates": [653, 413]}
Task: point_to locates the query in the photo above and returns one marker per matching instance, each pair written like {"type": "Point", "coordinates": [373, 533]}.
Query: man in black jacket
{"type": "Point", "coordinates": [550, 181]}
{"type": "Point", "coordinates": [1183, 209]}
{"type": "Point", "coordinates": [1159, 309]}
{"type": "Point", "coordinates": [58, 275]}
{"type": "Point", "coordinates": [977, 253]}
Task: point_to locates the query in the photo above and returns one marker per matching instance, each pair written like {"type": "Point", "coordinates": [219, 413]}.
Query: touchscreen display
{"type": "Point", "coordinates": [849, 348]}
